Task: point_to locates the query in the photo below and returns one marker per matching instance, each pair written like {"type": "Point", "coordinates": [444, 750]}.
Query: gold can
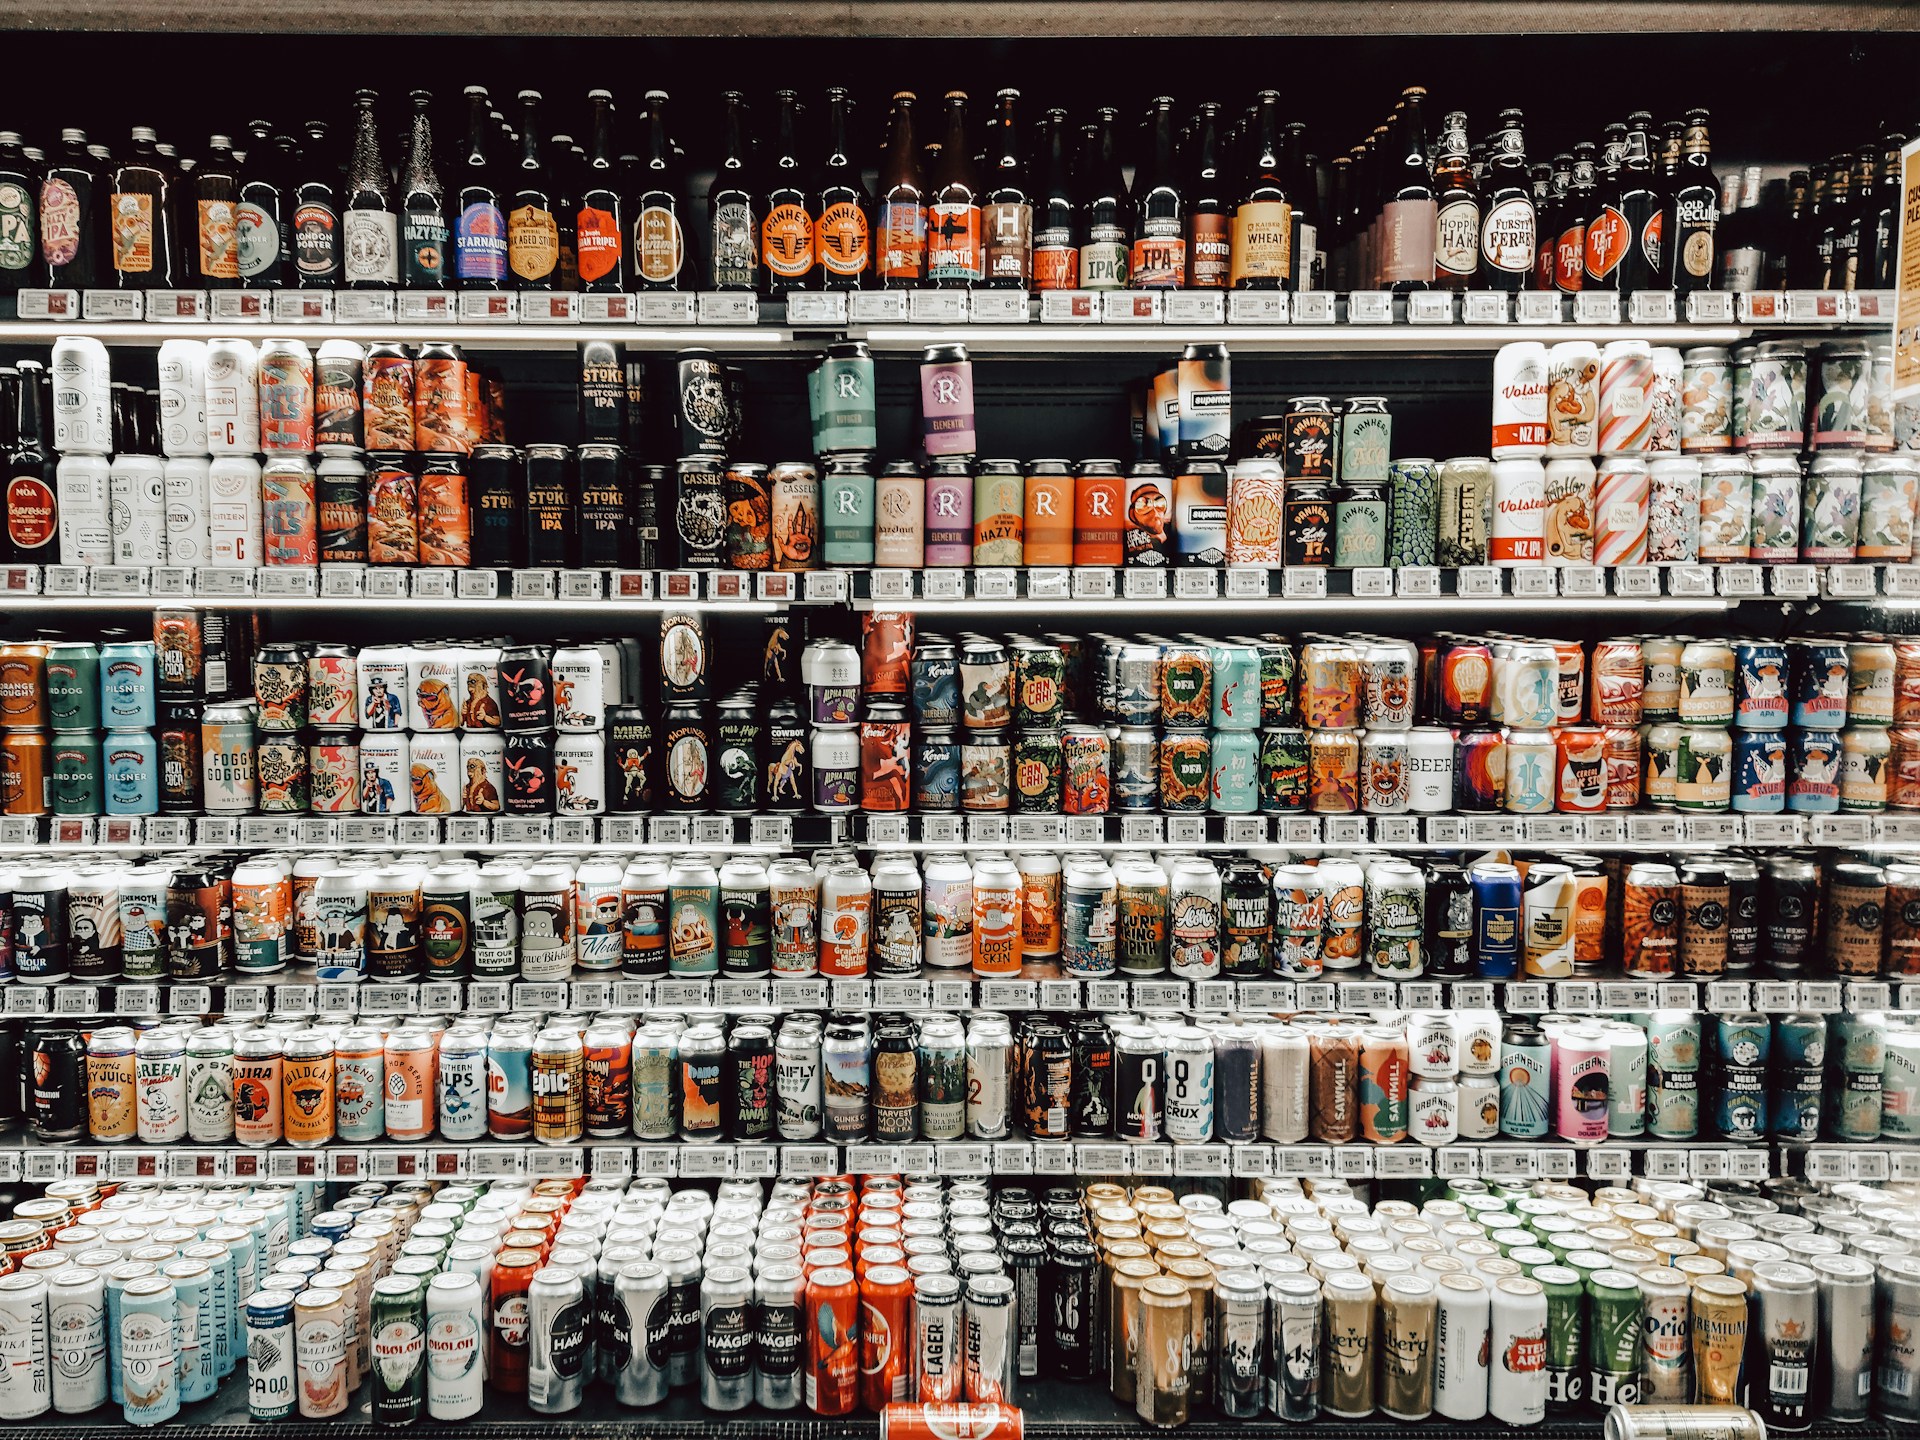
{"type": "Point", "coordinates": [1124, 1312]}
{"type": "Point", "coordinates": [1718, 1321]}
{"type": "Point", "coordinates": [1346, 1344]}
{"type": "Point", "coordinates": [1197, 1276]}
{"type": "Point", "coordinates": [1163, 1377]}
{"type": "Point", "coordinates": [1407, 1312]}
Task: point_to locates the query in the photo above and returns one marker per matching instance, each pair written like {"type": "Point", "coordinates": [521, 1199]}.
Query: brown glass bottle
{"type": "Point", "coordinates": [1006, 213]}
{"type": "Point", "coordinates": [1456, 244]}
{"type": "Point", "coordinates": [1262, 220]}
{"type": "Point", "coordinates": [842, 233]}
{"type": "Point", "coordinates": [900, 207]}
{"type": "Point", "coordinates": [955, 257]}
{"type": "Point", "coordinates": [139, 218]}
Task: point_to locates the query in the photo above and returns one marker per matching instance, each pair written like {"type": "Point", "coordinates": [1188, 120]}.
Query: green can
{"type": "Point", "coordinates": [1613, 1338]}
{"type": "Point", "coordinates": [1284, 780]}
{"type": "Point", "coordinates": [73, 685]}
{"type": "Point", "coordinates": [1566, 1335]}
{"type": "Point", "coordinates": [1278, 680]}
{"type": "Point", "coordinates": [841, 395]}
{"type": "Point", "coordinates": [1414, 524]}
{"type": "Point", "coordinates": [74, 760]}
{"type": "Point", "coordinates": [846, 511]}
{"type": "Point", "coordinates": [1360, 523]}
{"type": "Point", "coordinates": [1673, 1075]}
{"type": "Point", "coordinates": [1040, 685]}
{"type": "Point", "coordinates": [1366, 438]}
{"type": "Point", "coordinates": [1038, 770]}
{"type": "Point", "coordinates": [398, 1338]}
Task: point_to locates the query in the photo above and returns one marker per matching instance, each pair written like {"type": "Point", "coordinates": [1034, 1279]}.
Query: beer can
{"type": "Point", "coordinates": [146, 1350]}
{"type": "Point", "coordinates": [183, 398]}
{"type": "Point", "coordinates": [1520, 385]}
{"type": "Point", "coordinates": [1465, 1338]}
{"type": "Point", "coordinates": [137, 506]}
{"type": "Point", "coordinates": [189, 537]}
{"type": "Point", "coordinates": [1572, 398]}
{"type": "Point", "coordinates": [1624, 416]}
{"type": "Point", "coordinates": [1517, 533]}
{"type": "Point", "coordinates": [286, 397]}
{"type": "Point", "coordinates": [336, 405]}
{"type": "Point", "coordinates": [1415, 512]}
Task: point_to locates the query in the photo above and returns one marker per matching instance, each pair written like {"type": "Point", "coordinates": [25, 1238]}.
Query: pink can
{"type": "Point", "coordinates": [1621, 491]}
{"type": "Point", "coordinates": [1581, 1060]}
{"type": "Point", "coordinates": [1626, 397]}
{"type": "Point", "coordinates": [1623, 767]}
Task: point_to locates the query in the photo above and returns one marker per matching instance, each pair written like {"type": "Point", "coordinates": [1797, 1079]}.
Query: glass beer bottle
{"type": "Point", "coordinates": [732, 234]}
{"type": "Point", "coordinates": [900, 209]}
{"type": "Point", "coordinates": [370, 234]}
{"type": "Point", "coordinates": [533, 234]}
{"type": "Point", "coordinates": [423, 215]}
{"type": "Point", "coordinates": [659, 227]}
{"type": "Point", "coordinates": [786, 221]}
{"type": "Point", "coordinates": [842, 234]}
{"type": "Point", "coordinates": [599, 231]}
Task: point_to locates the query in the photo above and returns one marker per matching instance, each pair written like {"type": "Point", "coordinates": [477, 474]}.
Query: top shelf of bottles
{"type": "Point", "coordinates": [989, 322]}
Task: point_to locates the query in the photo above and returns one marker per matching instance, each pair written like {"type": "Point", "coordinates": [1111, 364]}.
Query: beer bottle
{"type": "Point", "coordinates": [1862, 208]}
{"type": "Point", "coordinates": [1793, 261]}
{"type": "Point", "coordinates": [598, 228]}
{"type": "Point", "coordinates": [1106, 212]}
{"type": "Point", "coordinates": [533, 235]}
{"type": "Point", "coordinates": [216, 203]}
{"type": "Point", "coordinates": [316, 212]}
{"type": "Point", "coordinates": [69, 215]}
{"type": "Point", "coordinates": [423, 224]}
{"type": "Point", "coordinates": [842, 236]}
{"type": "Point", "coordinates": [568, 168]}
{"type": "Point", "coordinates": [1158, 260]}
{"type": "Point", "coordinates": [1301, 180]}
{"type": "Point", "coordinates": [659, 228]}
{"type": "Point", "coordinates": [1552, 185]}
{"type": "Point", "coordinates": [733, 261]}
{"type": "Point", "coordinates": [33, 499]}
{"type": "Point", "coordinates": [1409, 227]}
{"type": "Point", "coordinates": [1608, 235]}
{"type": "Point", "coordinates": [370, 232]}
{"type": "Point", "coordinates": [786, 228]}
{"type": "Point", "coordinates": [1379, 161]}
{"type": "Point", "coordinates": [1696, 210]}
{"type": "Point", "coordinates": [480, 227]}
{"type": "Point", "coordinates": [1056, 229]}
{"type": "Point", "coordinates": [1742, 236]}
{"type": "Point", "coordinates": [1640, 205]}
{"type": "Point", "coordinates": [19, 228]}
{"type": "Point", "coordinates": [1006, 216]}
{"type": "Point", "coordinates": [1576, 210]}
{"type": "Point", "coordinates": [1879, 233]}
{"type": "Point", "coordinates": [1209, 224]}
{"type": "Point", "coordinates": [261, 222]}
{"type": "Point", "coordinates": [954, 252]}
{"type": "Point", "coordinates": [1262, 222]}
{"type": "Point", "coordinates": [900, 217]}
{"type": "Point", "coordinates": [1339, 236]}
{"type": "Point", "coordinates": [1456, 244]}
{"type": "Point", "coordinates": [1509, 224]}
{"type": "Point", "coordinates": [140, 217]}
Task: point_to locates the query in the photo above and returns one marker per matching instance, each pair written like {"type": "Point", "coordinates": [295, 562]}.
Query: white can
{"type": "Point", "coordinates": [189, 529]}
{"type": "Point", "coordinates": [579, 688]}
{"type": "Point", "coordinates": [86, 522]}
{"type": "Point", "coordinates": [545, 906]}
{"type": "Point", "coordinates": [1566, 521]}
{"type": "Point", "coordinates": [160, 1086]}
{"type": "Point", "coordinates": [23, 1339]}
{"type": "Point", "coordinates": [433, 686]}
{"type": "Point", "coordinates": [483, 771]}
{"type": "Point", "coordinates": [1285, 1057]}
{"type": "Point", "coordinates": [580, 774]}
{"type": "Point", "coordinates": [383, 674]}
{"type": "Point", "coordinates": [137, 509]}
{"type": "Point", "coordinates": [1433, 1111]}
{"type": "Point", "coordinates": [82, 396]}
{"type": "Point", "coordinates": [1431, 1045]}
{"type": "Point", "coordinates": [598, 937]}
{"type": "Point", "coordinates": [183, 397]}
{"type": "Point", "coordinates": [1573, 397]}
{"type": "Point", "coordinates": [385, 786]}
{"type": "Point", "coordinates": [433, 772]}
{"type": "Point", "coordinates": [1518, 534]}
{"type": "Point", "coordinates": [77, 1330]}
{"type": "Point", "coordinates": [1429, 770]}
{"type": "Point", "coordinates": [1520, 400]}
{"type": "Point", "coordinates": [1460, 1322]}
{"type": "Point", "coordinates": [233, 398]}
{"type": "Point", "coordinates": [456, 1346]}
{"type": "Point", "coordinates": [1476, 1042]}
{"type": "Point", "coordinates": [1517, 1389]}
{"type": "Point", "coordinates": [340, 920]}
{"type": "Point", "coordinates": [235, 518]}
{"type": "Point", "coordinates": [479, 693]}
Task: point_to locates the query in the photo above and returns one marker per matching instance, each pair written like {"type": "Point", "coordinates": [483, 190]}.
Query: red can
{"type": "Point", "coordinates": [332, 688]}
{"type": "Point", "coordinates": [886, 744]}
{"type": "Point", "coordinates": [1480, 770]}
{"type": "Point", "coordinates": [1466, 683]}
{"type": "Point", "coordinates": [393, 525]}
{"type": "Point", "coordinates": [1623, 767]}
{"type": "Point", "coordinates": [886, 651]}
{"type": "Point", "coordinates": [867, 1259]}
{"type": "Point", "coordinates": [440, 401]}
{"type": "Point", "coordinates": [1903, 920]}
{"type": "Point", "coordinates": [507, 1332]}
{"type": "Point", "coordinates": [445, 521]}
{"type": "Point", "coordinates": [950, 1420]}
{"type": "Point", "coordinates": [1581, 785]}
{"type": "Point", "coordinates": [291, 519]}
{"type": "Point", "coordinates": [886, 1335]}
{"type": "Point", "coordinates": [1571, 680]}
{"type": "Point", "coordinates": [609, 1074]}
{"type": "Point", "coordinates": [833, 1343]}
{"type": "Point", "coordinates": [1906, 682]}
{"type": "Point", "coordinates": [1619, 682]}
{"type": "Point", "coordinates": [386, 403]}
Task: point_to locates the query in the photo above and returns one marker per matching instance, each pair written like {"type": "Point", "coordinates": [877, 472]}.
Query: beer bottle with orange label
{"type": "Point", "coordinates": [733, 237]}
{"type": "Point", "coordinates": [954, 253]}
{"type": "Point", "coordinates": [1006, 216]}
{"type": "Point", "coordinates": [139, 217]}
{"type": "Point", "coordinates": [900, 213]}
{"type": "Point", "coordinates": [1056, 229]}
{"type": "Point", "coordinates": [533, 235]}
{"type": "Point", "coordinates": [1159, 257]}
{"type": "Point", "coordinates": [659, 209]}
{"type": "Point", "coordinates": [786, 226]}
{"type": "Point", "coordinates": [599, 248]}
{"type": "Point", "coordinates": [1640, 206]}
{"type": "Point", "coordinates": [1608, 234]}
{"type": "Point", "coordinates": [842, 237]}
{"type": "Point", "coordinates": [216, 196]}
{"type": "Point", "coordinates": [1576, 213]}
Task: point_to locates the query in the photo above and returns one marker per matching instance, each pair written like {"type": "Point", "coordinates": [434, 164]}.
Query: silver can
{"type": "Point", "coordinates": [77, 1333]}
{"type": "Point", "coordinates": [643, 1316]}
{"type": "Point", "coordinates": [780, 1336]}
{"type": "Point", "coordinates": [727, 1335]}
{"type": "Point", "coordinates": [1846, 1335]}
{"type": "Point", "coordinates": [557, 1336]}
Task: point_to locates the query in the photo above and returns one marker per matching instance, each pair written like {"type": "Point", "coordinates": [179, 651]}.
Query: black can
{"type": "Point", "coordinates": [934, 683]}
{"type": "Point", "coordinates": [526, 689]}
{"type": "Point", "coordinates": [749, 1091]}
{"type": "Point", "coordinates": [1038, 772]}
{"type": "Point", "coordinates": [649, 483]}
{"type": "Point", "coordinates": [786, 783]}
{"type": "Point", "coordinates": [1285, 784]}
{"type": "Point", "coordinates": [13, 1081]}
{"type": "Point", "coordinates": [633, 756]}
{"type": "Point", "coordinates": [779, 655]}
{"type": "Point", "coordinates": [896, 1104]}
{"type": "Point", "coordinates": [340, 508]}
{"type": "Point", "coordinates": [689, 746]}
{"type": "Point", "coordinates": [337, 424]}
{"type": "Point", "coordinates": [199, 923]}
{"type": "Point", "coordinates": [493, 491]}
{"type": "Point", "coordinates": [1236, 1085]}
{"type": "Point", "coordinates": [1312, 449]}
{"type": "Point", "coordinates": [638, 397]}
{"type": "Point", "coordinates": [1246, 907]}
{"type": "Point", "coordinates": [40, 929]}
{"type": "Point", "coordinates": [1449, 921]}
{"type": "Point", "coordinates": [1307, 536]}
{"type": "Point", "coordinates": [746, 929]}
{"type": "Point", "coordinates": [529, 773]}
{"type": "Point", "coordinates": [1091, 1109]}
{"type": "Point", "coordinates": [603, 393]}
{"type": "Point", "coordinates": [1071, 1310]}
{"type": "Point", "coordinates": [1039, 685]}
{"type": "Point", "coordinates": [57, 1090]}
{"type": "Point", "coordinates": [736, 771]}
{"type": "Point", "coordinates": [1023, 1256]}
{"type": "Point", "coordinates": [699, 512]}
{"type": "Point", "coordinates": [606, 537]}
{"type": "Point", "coordinates": [936, 772]}
{"type": "Point", "coordinates": [178, 742]}
{"type": "Point", "coordinates": [705, 407]}
{"type": "Point", "coordinates": [1043, 1078]}
{"type": "Point", "coordinates": [1743, 913]}
{"type": "Point", "coordinates": [552, 509]}
{"type": "Point", "coordinates": [1790, 910]}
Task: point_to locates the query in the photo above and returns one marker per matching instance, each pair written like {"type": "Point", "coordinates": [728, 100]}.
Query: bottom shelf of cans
{"type": "Point", "coordinates": [843, 1296]}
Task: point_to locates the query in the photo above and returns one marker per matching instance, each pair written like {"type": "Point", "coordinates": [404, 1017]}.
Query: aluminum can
{"type": "Point", "coordinates": [558, 1339]}
{"type": "Point", "coordinates": [321, 1354]}
{"type": "Point", "coordinates": [270, 1345]}
{"type": "Point", "coordinates": [1463, 1345]}
{"type": "Point", "coordinates": [779, 1336]}
{"type": "Point", "coordinates": [146, 1351]}
{"type": "Point", "coordinates": [1845, 1337]}
{"type": "Point", "coordinates": [642, 1330]}
{"type": "Point", "coordinates": [456, 1330]}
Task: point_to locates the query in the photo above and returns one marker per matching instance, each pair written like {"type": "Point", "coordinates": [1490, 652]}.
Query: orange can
{"type": "Point", "coordinates": [257, 1087]}
{"type": "Point", "coordinates": [1049, 519]}
{"type": "Point", "coordinates": [1570, 680]}
{"type": "Point", "coordinates": [23, 685]}
{"type": "Point", "coordinates": [950, 1420]}
{"type": "Point", "coordinates": [306, 1089]}
{"type": "Point", "coordinates": [1333, 772]}
{"type": "Point", "coordinates": [1099, 532]}
{"type": "Point", "coordinates": [1581, 786]}
{"type": "Point", "coordinates": [440, 401]}
{"type": "Point", "coordinates": [410, 1067]}
{"type": "Point", "coordinates": [445, 518]}
{"type": "Point", "coordinates": [886, 1334]}
{"type": "Point", "coordinates": [23, 772]}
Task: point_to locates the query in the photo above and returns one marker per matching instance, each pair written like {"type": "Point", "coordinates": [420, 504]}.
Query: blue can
{"type": "Point", "coordinates": [936, 772]}
{"type": "Point", "coordinates": [1813, 760]}
{"type": "Point", "coordinates": [1854, 1103]}
{"type": "Point", "coordinates": [197, 1363]}
{"type": "Point", "coordinates": [1235, 785]}
{"type": "Point", "coordinates": [1759, 772]}
{"type": "Point", "coordinates": [131, 762]}
{"type": "Point", "coordinates": [226, 1338]}
{"type": "Point", "coordinates": [1797, 1068]}
{"type": "Point", "coordinates": [127, 693]}
{"type": "Point", "coordinates": [1496, 922]}
{"type": "Point", "coordinates": [1526, 1097]}
{"type": "Point", "coordinates": [118, 1277]}
{"type": "Point", "coordinates": [1818, 676]}
{"type": "Point", "coordinates": [147, 1351]}
{"type": "Point", "coordinates": [1236, 687]}
{"type": "Point", "coordinates": [1743, 1044]}
{"type": "Point", "coordinates": [1759, 685]}
{"type": "Point", "coordinates": [934, 684]}
{"type": "Point", "coordinates": [333, 1224]}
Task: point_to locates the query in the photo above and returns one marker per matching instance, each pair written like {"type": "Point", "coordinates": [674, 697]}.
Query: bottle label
{"type": "Point", "coordinates": [1651, 235]}
{"type": "Point", "coordinates": [259, 241]}
{"type": "Point", "coordinates": [1569, 260]}
{"type": "Point", "coordinates": [1742, 269]}
{"type": "Point", "coordinates": [1056, 264]}
{"type": "Point", "coordinates": [1607, 240]}
{"type": "Point", "coordinates": [1456, 239]}
{"type": "Point", "coordinates": [733, 245]}
{"type": "Point", "coordinates": [480, 243]}
{"type": "Point", "coordinates": [597, 243]}
{"type": "Point", "coordinates": [425, 237]}
{"type": "Point", "coordinates": [219, 241]}
{"type": "Point", "coordinates": [59, 221]}
{"type": "Point", "coordinates": [1158, 260]}
{"type": "Point", "coordinates": [903, 240]}
{"type": "Point", "coordinates": [1410, 249]}
{"type": "Point", "coordinates": [33, 512]}
{"type": "Point", "coordinates": [1696, 250]}
{"type": "Point", "coordinates": [313, 240]}
{"type": "Point", "coordinates": [1103, 258]}
{"type": "Point", "coordinates": [1262, 241]}
{"type": "Point", "coordinates": [17, 230]}
{"type": "Point", "coordinates": [1209, 250]}
{"type": "Point", "coordinates": [533, 243]}
{"type": "Point", "coordinates": [953, 242]}
{"type": "Point", "coordinates": [1008, 228]}
{"type": "Point", "coordinates": [841, 239]}
{"type": "Point", "coordinates": [786, 241]}
{"type": "Point", "coordinates": [372, 249]}
{"type": "Point", "coordinates": [133, 234]}
{"type": "Point", "coordinates": [1506, 236]}
{"type": "Point", "coordinates": [659, 247]}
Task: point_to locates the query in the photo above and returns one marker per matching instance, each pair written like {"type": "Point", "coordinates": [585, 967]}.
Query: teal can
{"type": "Point", "coordinates": [1673, 1075]}
{"type": "Point", "coordinates": [846, 512]}
{"type": "Point", "coordinates": [78, 786]}
{"type": "Point", "coordinates": [1360, 524]}
{"type": "Point", "coordinates": [131, 763]}
{"type": "Point", "coordinates": [198, 1365]}
{"type": "Point", "coordinates": [1857, 1044]}
{"type": "Point", "coordinates": [1366, 438]}
{"type": "Point", "coordinates": [1797, 1071]}
{"type": "Point", "coordinates": [1235, 785]}
{"type": "Point", "coordinates": [146, 1349]}
{"type": "Point", "coordinates": [1237, 697]}
{"type": "Point", "coordinates": [840, 390]}
{"type": "Point", "coordinates": [73, 685]}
